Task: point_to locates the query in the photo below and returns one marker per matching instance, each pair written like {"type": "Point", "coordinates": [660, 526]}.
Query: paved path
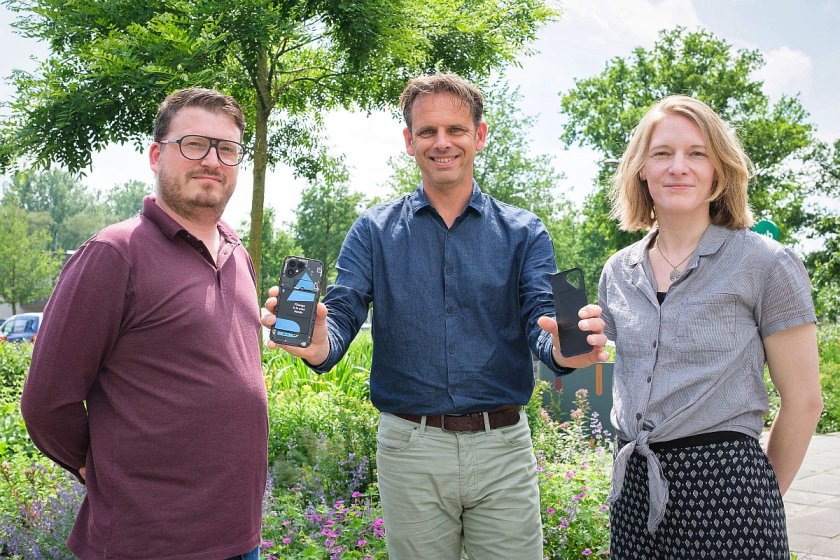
{"type": "Point", "coordinates": [813, 502]}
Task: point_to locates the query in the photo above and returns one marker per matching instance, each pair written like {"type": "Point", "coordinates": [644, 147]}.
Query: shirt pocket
{"type": "Point", "coordinates": [635, 325]}
{"type": "Point", "coordinates": [707, 325]}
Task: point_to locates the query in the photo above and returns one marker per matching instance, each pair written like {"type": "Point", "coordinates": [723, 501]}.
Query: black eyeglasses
{"type": "Point", "coordinates": [195, 147]}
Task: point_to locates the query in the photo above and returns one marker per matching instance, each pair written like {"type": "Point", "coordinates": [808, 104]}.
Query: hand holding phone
{"type": "Point", "coordinates": [569, 298]}
{"type": "Point", "coordinates": [300, 290]}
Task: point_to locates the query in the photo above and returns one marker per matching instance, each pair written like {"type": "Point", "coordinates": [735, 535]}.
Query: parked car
{"type": "Point", "coordinates": [22, 327]}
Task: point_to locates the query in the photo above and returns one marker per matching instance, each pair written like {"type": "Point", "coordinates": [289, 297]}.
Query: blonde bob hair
{"type": "Point", "coordinates": [729, 205]}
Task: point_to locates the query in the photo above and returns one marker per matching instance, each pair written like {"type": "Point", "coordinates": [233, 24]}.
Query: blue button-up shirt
{"type": "Point", "coordinates": [454, 309]}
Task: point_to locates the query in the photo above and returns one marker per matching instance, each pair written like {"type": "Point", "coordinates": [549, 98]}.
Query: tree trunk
{"type": "Point", "coordinates": [260, 160]}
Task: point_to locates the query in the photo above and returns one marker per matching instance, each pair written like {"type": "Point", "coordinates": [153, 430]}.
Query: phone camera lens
{"type": "Point", "coordinates": [291, 268]}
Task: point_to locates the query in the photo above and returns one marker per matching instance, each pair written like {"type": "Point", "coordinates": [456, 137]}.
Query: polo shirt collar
{"type": "Point", "coordinates": [170, 228]}
{"type": "Point", "coordinates": [418, 199]}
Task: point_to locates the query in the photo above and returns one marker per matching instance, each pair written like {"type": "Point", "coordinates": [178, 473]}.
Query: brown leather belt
{"type": "Point", "coordinates": [471, 422]}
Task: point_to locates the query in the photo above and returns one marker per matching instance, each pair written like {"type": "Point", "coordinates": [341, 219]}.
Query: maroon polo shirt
{"type": "Point", "coordinates": [147, 370]}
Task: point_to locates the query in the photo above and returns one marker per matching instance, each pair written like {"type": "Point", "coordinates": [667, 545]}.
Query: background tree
{"type": "Point", "coordinates": [126, 200]}
{"type": "Point", "coordinates": [278, 243]}
{"type": "Point", "coordinates": [326, 211]}
{"type": "Point", "coordinates": [603, 110]}
{"type": "Point", "coordinates": [27, 265]}
{"type": "Point", "coordinates": [113, 61]}
{"type": "Point", "coordinates": [58, 203]}
{"type": "Point", "coordinates": [824, 264]}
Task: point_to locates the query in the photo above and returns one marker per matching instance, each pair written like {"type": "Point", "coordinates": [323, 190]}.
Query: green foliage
{"type": "Point", "coordinates": [38, 505]}
{"type": "Point", "coordinates": [277, 244]}
{"type": "Point", "coordinates": [824, 263]}
{"type": "Point", "coordinates": [28, 266]}
{"type": "Point", "coordinates": [350, 376]}
{"type": "Point", "coordinates": [59, 204]}
{"type": "Point", "coordinates": [14, 365]}
{"type": "Point", "coordinates": [828, 340]}
{"type": "Point", "coordinates": [574, 463]}
{"type": "Point", "coordinates": [113, 61]}
{"type": "Point", "coordinates": [323, 443]}
{"type": "Point", "coordinates": [326, 211]}
{"type": "Point", "coordinates": [829, 344]}
{"type": "Point", "coordinates": [126, 200]}
{"type": "Point", "coordinates": [603, 110]}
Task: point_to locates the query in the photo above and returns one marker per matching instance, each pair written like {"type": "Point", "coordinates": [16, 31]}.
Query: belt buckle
{"type": "Point", "coordinates": [443, 421]}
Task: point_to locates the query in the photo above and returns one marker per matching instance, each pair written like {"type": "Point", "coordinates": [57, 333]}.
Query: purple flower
{"type": "Point", "coordinates": [586, 552]}
{"type": "Point", "coordinates": [361, 542]}
{"type": "Point", "coordinates": [549, 511]}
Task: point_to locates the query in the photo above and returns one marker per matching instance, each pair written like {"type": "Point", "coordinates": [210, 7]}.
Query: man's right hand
{"type": "Point", "coordinates": [319, 350]}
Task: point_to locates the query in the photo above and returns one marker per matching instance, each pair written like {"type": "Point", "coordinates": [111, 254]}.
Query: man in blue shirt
{"type": "Point", "coordinates": [460, 287]}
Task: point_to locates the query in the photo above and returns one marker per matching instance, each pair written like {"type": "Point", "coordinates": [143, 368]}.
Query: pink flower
{"type": "Point", "coordinates": [550, 511]}
{"type": "Point", "coordinates": [586, 552]}
{"type": "Point", "coordinates": [361, 542]}
{"type": "Point", "coordinates": [287, 540]}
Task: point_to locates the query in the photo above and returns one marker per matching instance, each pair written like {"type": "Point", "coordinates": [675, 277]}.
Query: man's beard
{"type": "Point", "coordinates": [208, 201]}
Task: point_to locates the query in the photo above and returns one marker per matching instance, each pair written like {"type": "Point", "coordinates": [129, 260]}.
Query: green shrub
{"type": "Point", "coordinates": [14, 364]}
{"type": "Point", "coordinates": [574, 463]}
{"type": "Point", "coordinates": [350, 376]}
{"type": "Point", "coordinates": [324, 443]}
{"type": "Point", "coordinates": [830, 382]}
{"type": "Point", "coordinates": [38, 505]}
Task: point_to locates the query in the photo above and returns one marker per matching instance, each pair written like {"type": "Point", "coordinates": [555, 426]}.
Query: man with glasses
{"type": "Point", "coordinates": [146, 381]}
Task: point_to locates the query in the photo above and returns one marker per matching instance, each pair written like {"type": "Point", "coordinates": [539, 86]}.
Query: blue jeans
{"type": "Point", "coordinates": [253, 555]}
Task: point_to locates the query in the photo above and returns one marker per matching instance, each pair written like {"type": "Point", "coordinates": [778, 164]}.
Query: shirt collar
{"type": "Point", "coordinates": [170, 228]}
{"type": "Point", "coordinates": [711, 241]}
{"type": "Point", "coordinates": [419, 200]}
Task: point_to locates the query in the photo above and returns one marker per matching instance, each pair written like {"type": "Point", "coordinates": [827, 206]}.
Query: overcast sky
{"type": "Point", "coordinates": [798, 39]}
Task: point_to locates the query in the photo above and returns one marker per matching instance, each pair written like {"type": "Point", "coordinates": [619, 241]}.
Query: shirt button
{"type": "Point", "coordinates": [451, 349]}
{"type": "Point", "coordinates": [638, 416]}
{"type": "Point", "coordinates": [648, 379]}
{"type": "Point", "coordinates": [449, 234]}
{"type": "Point", "coordinates": [654, 344]}
{"type": "Point", "coordinates": [450, 309]}
{"type": "Point", "coordinates": [449, 271]}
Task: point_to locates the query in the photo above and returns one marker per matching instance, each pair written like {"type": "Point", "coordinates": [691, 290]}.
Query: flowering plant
{"type": "Point", "coordinates": [346, 530]}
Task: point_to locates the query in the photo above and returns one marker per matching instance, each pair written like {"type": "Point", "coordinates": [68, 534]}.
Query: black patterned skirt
{"type": "Point", "coordinates": [723, 502]}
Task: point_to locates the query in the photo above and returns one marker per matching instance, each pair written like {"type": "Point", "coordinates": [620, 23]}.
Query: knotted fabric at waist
{"type": "Point", "coordinates": [657, 484]}
{"type": "Point", "coordinates": [470, 422]}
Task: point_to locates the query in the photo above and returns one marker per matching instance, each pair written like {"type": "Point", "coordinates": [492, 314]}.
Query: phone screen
{"type": "Point", "coordinates": [300, 288]}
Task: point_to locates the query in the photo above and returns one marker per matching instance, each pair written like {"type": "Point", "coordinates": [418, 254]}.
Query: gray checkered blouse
{"type": "Point", "coordinates": [695, 364]}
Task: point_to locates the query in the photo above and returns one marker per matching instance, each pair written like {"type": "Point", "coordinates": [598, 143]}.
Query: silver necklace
{"type": "Point", "coordinates": [675, 274]}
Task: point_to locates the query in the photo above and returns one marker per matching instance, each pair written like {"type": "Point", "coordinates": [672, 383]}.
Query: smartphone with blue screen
{"type": "Point", "coordinates": [300, 291]}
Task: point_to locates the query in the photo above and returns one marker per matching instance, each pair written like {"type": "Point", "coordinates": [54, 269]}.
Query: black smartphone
{"type": "Point", "coordinates": [569, 297]}
{"type": "Point", "coordinates": [300, 290]}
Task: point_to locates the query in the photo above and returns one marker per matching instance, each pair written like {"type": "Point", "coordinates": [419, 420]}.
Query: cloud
{"type": "Point", "coordinates": [623, 23]}
{"type": "Point", "coordinates": [787, 71]}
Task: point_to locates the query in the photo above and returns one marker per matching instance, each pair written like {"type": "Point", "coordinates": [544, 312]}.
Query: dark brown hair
{"type": "Point", "coordinates": [202, 98]}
